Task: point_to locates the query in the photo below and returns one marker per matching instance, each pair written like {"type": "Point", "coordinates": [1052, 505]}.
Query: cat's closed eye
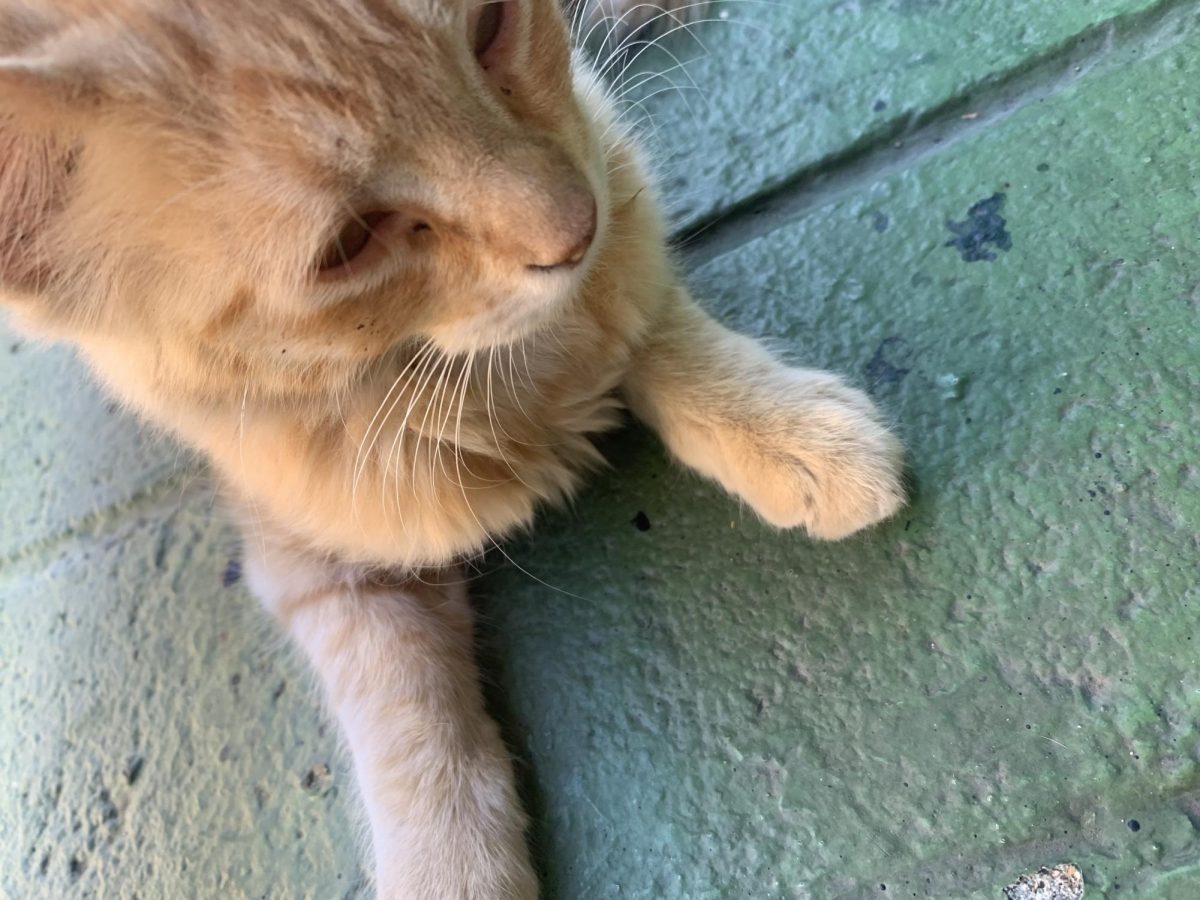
{"type": "Point", "coordinates": [487, 29]}
{"type": "Point", "coordinates": [363, 240]}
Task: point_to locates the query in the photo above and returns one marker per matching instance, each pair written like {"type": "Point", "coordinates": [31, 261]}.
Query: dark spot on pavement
{"type": "Point", "coordinates": [133, 769]}
{"type": "Point", "coordinates": [108, 810]}
{"type": "Point", "coordinates": [881, 370]}
{"type": "Point", "coordinates": [317, 779]}
{"type": "Point", "coordinates": [1135, 825]}
{"type": "Point", "coordinates": [880, 222]}
{"type": "Point", "coordinates": [641, 521]}
{"type": "Point", "coordinates": [983, 225]}
{"type": "Point", "coordinates": [1043, 167]}
{"type": "Point", "coordinates": [232, 574]}
{"type": "Point", "coordinates": [880, 106]}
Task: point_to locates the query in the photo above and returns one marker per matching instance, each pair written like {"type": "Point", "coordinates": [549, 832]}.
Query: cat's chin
{"type": "Point", "coordinates": [515, 318]}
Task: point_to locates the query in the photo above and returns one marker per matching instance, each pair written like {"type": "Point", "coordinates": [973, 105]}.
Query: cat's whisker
{"type": "Point", "coordinates": [395, 452]}
{"type": "Point", "coordinates": [638, 39]}
{"type": "Point", "coordinates": [493, 415]}
{"type": "Point", "coordinates": [770, 36]}
{"type": "Point", "coordinates": [608, 21]}
{"type": "Point", "coordinates": [468, 380]}
{"type": "Point", "coordinates": [393, 466]}
{"type": "Point", "coordinates": [431, 377]}
{"type": "Point", "coordinates": [666, 90]}
{"type": "Point", "coordinates": [577, 17]}
{"type": "Point", "coordinates": [516, 399]}
{"type": "Point", "coordinates": [558, 339]}
{"type": "Point", "coordinates": [640, 81]}
{"type": "Point", "coordinates": [532, 383]}
{"type": "Point", "coordinates": [678, 63]}
{"type": "Point", "coordinates": [410, 371]}
{"type": "Point", "coordinates": [645, 118]}
{"type": "Point", "coordinates": [424, 438]}
{"type": "Point", "coordinates": [362, 457]}
{"type": "Point", "coordinates": [626, 49]}
{"type": "Point", "coordinates": [633, 37]}
{"type": "Point", "coordinates": [457, 397]}
{"type": "Point", "coordinates": [637, 34]}
{"type": "Point", "coordinates": [465, 386]}
{"type": "Point", "coordinates": [491, 540]}
{"type": "Point", "coordinates": [646, 121]}
{"type": "Point", "coordinates": [446, 396]}
{"type": "Point", "coordinates": [514, 376]}
{"type": "Point", "coordinates": [613, 170]}
{"type": "Point", "coordinates": [363, 451]}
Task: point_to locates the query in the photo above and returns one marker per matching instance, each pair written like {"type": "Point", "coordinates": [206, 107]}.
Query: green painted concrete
{"type": "Point", "coordinates": [157, 741]}
{"type": "Point", "coordinates": [769, 88]}
{"type": "Point", "coordinates": [1004, 677]}
{"type": "Point", "coordinates": [67, 454]}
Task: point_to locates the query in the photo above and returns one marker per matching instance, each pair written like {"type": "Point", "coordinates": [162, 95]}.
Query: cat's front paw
{"type": "Point", "coordinates": [820, 458]}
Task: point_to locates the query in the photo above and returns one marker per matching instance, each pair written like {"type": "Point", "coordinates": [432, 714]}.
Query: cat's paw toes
{"type": "Point", "coordinates": [842, 472]}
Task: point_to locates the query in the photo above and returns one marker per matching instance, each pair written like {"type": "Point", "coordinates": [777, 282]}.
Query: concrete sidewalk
{"type": "Point", "coordinates": [983, 212]}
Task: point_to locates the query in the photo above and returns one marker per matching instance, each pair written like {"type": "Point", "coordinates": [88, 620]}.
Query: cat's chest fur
{"type": "Point", "coordinates": [435, 457]}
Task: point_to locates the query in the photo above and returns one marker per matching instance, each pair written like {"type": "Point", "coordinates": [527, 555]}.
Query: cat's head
{"type": "Point", "coordinates": [294, 182]}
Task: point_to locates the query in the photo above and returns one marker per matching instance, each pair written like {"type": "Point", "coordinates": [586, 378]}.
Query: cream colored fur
{"type": "Point", "coordinates": [169, 172]}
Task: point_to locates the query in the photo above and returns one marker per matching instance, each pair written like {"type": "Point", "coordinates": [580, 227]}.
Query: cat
{"type": "Point", "coordinates": [390, 265]}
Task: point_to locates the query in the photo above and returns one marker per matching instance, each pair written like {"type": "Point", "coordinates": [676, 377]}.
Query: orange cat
{"type": "Point", "coordinates": [389, 264]}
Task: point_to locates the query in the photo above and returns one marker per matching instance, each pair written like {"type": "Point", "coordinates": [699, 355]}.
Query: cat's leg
{"type": "Point", "coordinates": [397, 666]}
{"type": "Point", "coordinates": [799, 445]}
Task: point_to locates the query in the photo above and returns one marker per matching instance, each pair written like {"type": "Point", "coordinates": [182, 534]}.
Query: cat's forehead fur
{"type": "Point", "coordinates": [199, 61]}
{"type": "Point", "coordinates": [316, 35]}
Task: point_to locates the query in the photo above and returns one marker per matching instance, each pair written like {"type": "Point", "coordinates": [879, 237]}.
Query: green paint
{"type": "Point", "coordinates": [1002, 678]}
{"type": "Point", "coordinates": [770, 89]}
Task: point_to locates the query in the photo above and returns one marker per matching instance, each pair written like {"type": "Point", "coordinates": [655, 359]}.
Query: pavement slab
{"type": "Point", "coordinates": [1003, 678]}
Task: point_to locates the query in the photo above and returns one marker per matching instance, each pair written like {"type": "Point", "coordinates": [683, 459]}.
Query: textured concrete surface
{"type": "Point", "coordinates": [1003, 678]}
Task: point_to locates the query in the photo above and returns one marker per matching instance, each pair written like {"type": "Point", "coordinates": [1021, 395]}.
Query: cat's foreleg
{"type": "Point", "coordinates": [396, 661]}
{"type": "Point", "coordinates": [799, 445]}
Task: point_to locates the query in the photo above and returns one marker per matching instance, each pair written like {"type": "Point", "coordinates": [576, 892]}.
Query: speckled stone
{"type": "Point", "coordinates": [1064, 882]}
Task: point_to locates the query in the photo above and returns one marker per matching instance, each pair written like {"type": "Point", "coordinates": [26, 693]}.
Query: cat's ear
{"type": "Point", "coordinates": [40, 108]}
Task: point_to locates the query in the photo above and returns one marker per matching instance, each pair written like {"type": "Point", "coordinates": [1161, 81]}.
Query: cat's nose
{"type": "Point", "coordinates": [572, 239]}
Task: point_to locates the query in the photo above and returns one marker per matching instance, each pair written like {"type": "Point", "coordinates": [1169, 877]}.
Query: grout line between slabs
{"type": "Point", "coordinates": [155, 496]}
{"type": "Point", "coordinates": [907, 141]}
